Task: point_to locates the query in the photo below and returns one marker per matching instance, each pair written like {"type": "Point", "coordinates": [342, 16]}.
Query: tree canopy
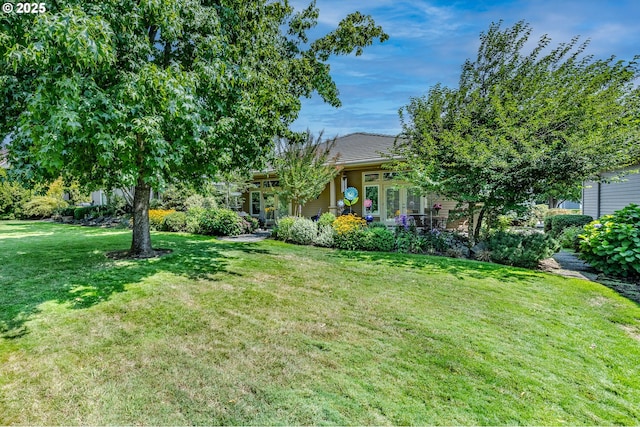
{"type": "Point", "coordinates": [304, 168]}
{"type": "Point", "coordinates": [520, 124]}
{"type": "Point", "coordinates": [143, 93]}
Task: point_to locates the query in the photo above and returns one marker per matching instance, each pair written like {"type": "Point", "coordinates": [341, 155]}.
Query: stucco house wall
{"type": "Point", "coordinates": [361, 159]}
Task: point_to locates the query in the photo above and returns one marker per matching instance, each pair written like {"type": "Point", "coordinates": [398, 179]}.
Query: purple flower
{"type": "Point", "coordinates": [403, 220]}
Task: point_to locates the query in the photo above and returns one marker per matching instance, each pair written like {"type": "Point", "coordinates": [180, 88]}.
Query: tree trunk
{"type": "Point", "coordinates": [476, 233]}
{"type": "Point", "coordinates": [470, 225]}
{"type": "Point", "coordinates": [141, 243]}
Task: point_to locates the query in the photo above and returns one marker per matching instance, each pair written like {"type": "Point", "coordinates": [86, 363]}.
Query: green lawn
{"type": "Point", "coordinates": [271, 333]}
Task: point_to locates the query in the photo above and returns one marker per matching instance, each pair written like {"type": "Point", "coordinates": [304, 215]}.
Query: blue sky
{"type": "Point", "coordinates": [430, 40]}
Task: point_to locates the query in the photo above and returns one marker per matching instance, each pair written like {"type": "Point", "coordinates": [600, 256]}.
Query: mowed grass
{"type": "Point", "coordinates": [271, 333]}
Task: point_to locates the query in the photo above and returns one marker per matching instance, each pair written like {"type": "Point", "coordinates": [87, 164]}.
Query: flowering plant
{"type": "Point", "coordinates": [368, 203]}
{"type": "Point", "coordinates": [403, 220]}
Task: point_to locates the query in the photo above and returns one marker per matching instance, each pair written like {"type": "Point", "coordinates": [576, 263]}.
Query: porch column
{"type": "Point", "coordinates": [332, 197]}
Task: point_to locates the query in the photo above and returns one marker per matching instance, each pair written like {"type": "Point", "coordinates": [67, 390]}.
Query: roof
{"type": "Point", "coordinates": [362, 148]}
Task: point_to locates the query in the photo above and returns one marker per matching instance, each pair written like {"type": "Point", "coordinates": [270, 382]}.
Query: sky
{"type": "Point", "coordinates": [430, 40]}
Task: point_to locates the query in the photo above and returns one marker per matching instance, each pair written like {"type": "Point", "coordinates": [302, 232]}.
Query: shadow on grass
{"type": "Point", "coordinates": [459, 268]}
{"type": "Point", "coordinates": [628, 289]}
{"type": "Point", "coordinates": [58, 263]}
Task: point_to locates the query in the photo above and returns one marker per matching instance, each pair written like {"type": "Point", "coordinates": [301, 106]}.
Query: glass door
{"type": "Point", "coordinates": [391, 204]}
{"type": "Point", "coordinates": [397, 201]}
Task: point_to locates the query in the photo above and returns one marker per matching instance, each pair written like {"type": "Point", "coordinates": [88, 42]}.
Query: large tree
{"type": "Point", "coordinates": [521, 123]}
{"type": "Point", "coordinates": [142, 93]}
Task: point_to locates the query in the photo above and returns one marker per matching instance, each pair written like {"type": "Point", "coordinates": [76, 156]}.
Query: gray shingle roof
{"type": "Point", "coordinates": [362, 147]}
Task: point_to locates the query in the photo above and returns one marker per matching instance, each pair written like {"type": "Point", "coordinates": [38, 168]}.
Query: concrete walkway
{"type": "Point", "coordinates": [567, 264]}
{"type": "Point", "coordinates": [248, 238]}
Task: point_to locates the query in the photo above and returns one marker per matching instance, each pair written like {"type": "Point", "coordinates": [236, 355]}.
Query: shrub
{"type": "Point", "coordinates": [283, 229]}
{"type": "Point", "coordinates": [570, 237]}
{"type": "Point", "coordinates": [503, 222]}
{"type": "Point", "coordinates": [349, 232]}
{"type": "Point", "coordinates": [612, 243]}
{"type": "Point", "coordinates": [68, 211]}
{"type": "Point", "coordinates": [220, 222]}
{"type": "Point", "coordinates": [377, 225]}
{"type": "Point", "coordinates": [156, 217]}
{"type": "Point", "coordinates": [348, 223]}
{"type": "Point", "coordinates": [378, 239]}
{"type": "Point", "coordinates": [198, 201]}
{"type": "Point", "coordinates": [12, 195]}
{"type": "Point", "coordinates": [434, 241]}
{"type": "Point", "coordinates": [520, 250]}
{"type": "Point", "coordinates": [325, 237]}
{"type": "Point", "coordinates": [409, 241]}
{"type": "Point", "coordinates": [194, 216]}
{"type": "Point", "coordinates": [84, 212]}
{"type": "Point", "coordinates": [560, 222]}
{"type": "Point", "coordinates": [303, 231]}
{"type": "Point", "coordinates": [43, 206]}
{"type": "Point", "coordinates": [175, 221]}
{"type": "Point", "coordinates": [250, 225]}
{"type": "Point", "coordinates": [326, 218]}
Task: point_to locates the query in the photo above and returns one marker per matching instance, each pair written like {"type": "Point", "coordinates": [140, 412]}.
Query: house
{"type": "Point", "coordinates": [603, 198]}
{"type": "Point", "coordinates": [361, 161]}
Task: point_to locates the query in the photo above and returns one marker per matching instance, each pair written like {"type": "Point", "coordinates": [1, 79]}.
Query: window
{"type": "Point", "coordinates": [371, 177]}
{"type": "Point", "coordinates": [413, 201]}
{"type": "Point", "coordinates": [389, 176]}
{"type": "Point", "coordinates": [255, 203]}
{"type": "Point", "coordinates": [269, 205]}
{"type": "Point", "coordinates": [283, 207]}
{"type": "Point", "coordinates": [372, 192]}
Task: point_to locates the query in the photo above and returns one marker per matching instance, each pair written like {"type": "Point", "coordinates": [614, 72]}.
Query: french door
{"type": "Point", "coordinates": [398, 201]}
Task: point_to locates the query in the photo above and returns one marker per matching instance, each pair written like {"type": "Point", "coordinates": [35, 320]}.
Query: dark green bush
{"type": "Point", "coordinates": [68, 211]}
{"type": "Point", "coordinates": [520, 250]}
{"type": "Point", "coordinates": [559, 222]}
{"type": "Point", "coordinates": [377, 225]}
{"type": "Point", "coordinates": [377, 239]}
{"type": "Point", "coordinates": [350, 239]}
{"type": "Point", "coordinates": [612, 243]}
{"type": "Point", "coordinates": [220, 222]}
{"type": "Point", "coordinates": [408, 241]}
{"type": "Point", "coordinates": [570, 238]}
{"type": "Point", "coordinates": [176, 221]}
{"type": "Point", "coordinates": [84, 211]}
{"type": "Point", "coordinates": [434, 242]}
